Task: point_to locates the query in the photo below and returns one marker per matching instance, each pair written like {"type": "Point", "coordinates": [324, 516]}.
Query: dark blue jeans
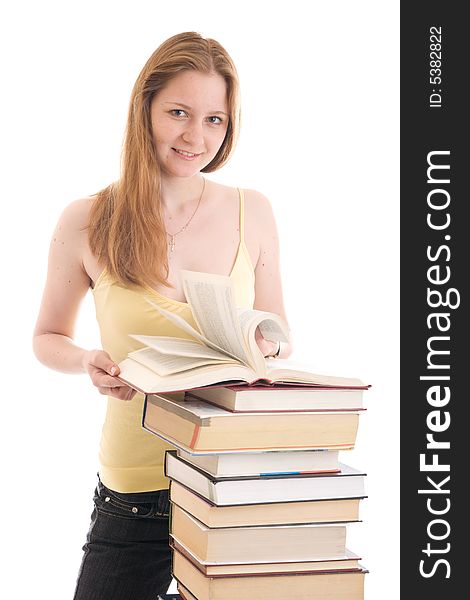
{"type": "Point", "coordinates": [126, 556]}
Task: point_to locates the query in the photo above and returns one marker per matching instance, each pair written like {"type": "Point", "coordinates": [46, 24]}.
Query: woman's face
{"type": "Point", "coordinates": [189, 122]}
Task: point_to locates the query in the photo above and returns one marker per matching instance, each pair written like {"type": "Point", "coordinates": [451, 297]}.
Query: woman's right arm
{"type": "Point", "coordinates": [66, 285]}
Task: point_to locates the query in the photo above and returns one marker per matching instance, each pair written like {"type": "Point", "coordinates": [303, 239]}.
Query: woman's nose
{"type": "Point", "coordinates": [194, 134]}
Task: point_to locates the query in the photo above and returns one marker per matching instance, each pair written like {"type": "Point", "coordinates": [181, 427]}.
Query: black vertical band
{"type": "Point", "coordinates": [435, 357]}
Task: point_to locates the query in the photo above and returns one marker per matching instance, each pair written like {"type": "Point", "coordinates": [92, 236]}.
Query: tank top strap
{"type": "Point", "coordinates": [242, 216]}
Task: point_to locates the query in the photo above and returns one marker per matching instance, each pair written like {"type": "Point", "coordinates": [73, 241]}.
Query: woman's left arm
{"type": "Point", "coordinates": [268, 285]}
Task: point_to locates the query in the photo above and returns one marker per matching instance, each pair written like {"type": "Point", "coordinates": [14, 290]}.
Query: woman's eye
{"type": "Point", "coordinates": [177, 112]}
{"type": "Point", "coordinates": [215, 120]}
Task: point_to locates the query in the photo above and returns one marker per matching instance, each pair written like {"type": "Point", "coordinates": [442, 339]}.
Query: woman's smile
{"type": "Point", "coordinates": [185, 155]}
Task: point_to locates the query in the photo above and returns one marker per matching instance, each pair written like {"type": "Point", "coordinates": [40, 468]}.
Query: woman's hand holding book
{"type": "Point", "coordinates": [103, 373]}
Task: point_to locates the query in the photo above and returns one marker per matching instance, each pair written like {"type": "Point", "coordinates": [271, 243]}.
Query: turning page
{"type": "Point", "coordinates": [212, 302]}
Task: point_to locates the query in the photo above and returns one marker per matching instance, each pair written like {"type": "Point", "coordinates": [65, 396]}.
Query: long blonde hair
{"type": "Point", "coordinates": [126, 231]}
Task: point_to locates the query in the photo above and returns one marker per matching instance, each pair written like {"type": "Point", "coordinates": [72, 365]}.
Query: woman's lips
{"type": "Point", "coordinates": [185, 155]}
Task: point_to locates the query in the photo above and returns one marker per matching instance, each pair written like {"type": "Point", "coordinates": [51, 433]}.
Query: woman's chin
{"type": "Point", "coordinates": [186, 170]}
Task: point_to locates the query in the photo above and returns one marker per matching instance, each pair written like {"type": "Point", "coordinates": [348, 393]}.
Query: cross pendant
{"type": "Point", "coordinates": [172, 243]}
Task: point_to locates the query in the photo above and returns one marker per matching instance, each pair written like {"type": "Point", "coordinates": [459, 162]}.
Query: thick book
{"type": "Point", "coordinates": [260, 543]}
{"type": "Point", "coordinates": [222, 347]}
{"type": "Point", "coordinates": [199, 427]}
{"type": "Point", "coordinates": [314, 585]}
{"type": "Point", "coordinates": [348, 483]}
{"type": "Point", "coordinates": [185, 594]}
{"type": "Point", "coordinates": [293, 462]}
{"type": "Point", "coordinates": [348, 562]}
{"type": "Point", "coordinates": [274, 513]}
{"type": "Point", "coordinates": [259, 398]}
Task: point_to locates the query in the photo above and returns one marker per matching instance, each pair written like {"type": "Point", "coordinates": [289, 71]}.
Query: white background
{"type": "Point", "coordinates": [319, 138]}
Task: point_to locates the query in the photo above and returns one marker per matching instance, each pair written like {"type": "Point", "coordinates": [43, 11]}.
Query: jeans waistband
{"type": "Point", "coordinates": [161, 497]}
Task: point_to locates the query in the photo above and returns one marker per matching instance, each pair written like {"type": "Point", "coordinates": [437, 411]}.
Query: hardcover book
{"type": "Point", "coordinates": [270, 398]}
{"type": "Point", "coordinates": [200, 428]}
{"type": "Point", "coordinates": [273, 513]}
{"type": "Point", "coordinates": [348, 483]}
{"type": "Point", "coordinates": [331, 585]}
{"type": "Point", "coordinates": [258, 544]}
{"type": "Point", "coordinates": [294, 462]}
{"type": "Point", "coordinates": [348, 562]}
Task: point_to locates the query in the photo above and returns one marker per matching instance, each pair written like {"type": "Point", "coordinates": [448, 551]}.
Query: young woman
{"type": "Point", "coordinates": [129, 243]}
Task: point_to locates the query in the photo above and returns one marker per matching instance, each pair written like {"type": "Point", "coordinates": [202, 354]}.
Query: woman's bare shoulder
{"type": "Point", "coordinates": [255, 199]}
{"type": "Point", "coordinates": [72, 228]}
{"type": "Point", "coordinates": [258, 207]}
{"type": "Point", "coordinates": [77, 213]}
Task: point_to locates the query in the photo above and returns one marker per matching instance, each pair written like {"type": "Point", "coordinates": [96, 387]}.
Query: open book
{"type": "Point", "coordinates": [222, 350]}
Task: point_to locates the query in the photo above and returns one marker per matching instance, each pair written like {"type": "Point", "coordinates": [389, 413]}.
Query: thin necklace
{"type": "Point", "coordinates": [172, 236]}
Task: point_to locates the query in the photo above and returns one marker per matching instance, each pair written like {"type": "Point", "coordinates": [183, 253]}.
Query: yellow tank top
{"type": "Point", "coordinates": [131, 458]}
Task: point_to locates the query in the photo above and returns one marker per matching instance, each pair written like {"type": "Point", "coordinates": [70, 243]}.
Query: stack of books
{"type": "Point", "coordinates": [260, 501]}
{"type": "Point", "coordinates": [257, 507]}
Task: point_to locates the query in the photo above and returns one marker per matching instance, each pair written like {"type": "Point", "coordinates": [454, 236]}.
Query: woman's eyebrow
{"type": "Point", "coordinates": [212, 112]}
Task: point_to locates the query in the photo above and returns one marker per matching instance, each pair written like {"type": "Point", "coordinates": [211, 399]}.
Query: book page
{"type": "Point", "coordinates": [212, 301]}
{"type": "Point", "coordinates": [187, 328]}
{"type": "Point", "coordinates": [271, 330]}
{"type": "Point", "coordinates": [179, 346]}
{"type": "Point", "coordinates": [179, 322]}
{"type": "Point", "coordinates": [289, 371]}
{"type": "Point", "coordinates": [167, 364]}
{"type": "Point", "coordinates": [272, 327]}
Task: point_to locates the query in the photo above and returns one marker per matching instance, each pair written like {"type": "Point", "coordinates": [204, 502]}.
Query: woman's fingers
{"type": "Point", "coordinates": [103, 361]}
{"type": "Point", "coordinates": [123, 392]}
{"type": "Point", "coordinates": [267, 348]}
{"type": "Point", "coordinates": [100, 379]}
{"type": "Point", "coordinates": [103, 373]}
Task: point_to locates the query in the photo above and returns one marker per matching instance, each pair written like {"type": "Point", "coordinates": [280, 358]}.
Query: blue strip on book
{"type": "Point", "coordinates": [280, 473]}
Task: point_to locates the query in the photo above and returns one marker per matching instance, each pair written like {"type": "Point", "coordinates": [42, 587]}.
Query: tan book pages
{"type": "Point", "coordinates": [350, 562]}
{"type": "Point", "coordinates": [335, 585]}
{"type": "Point", "coordinates": [264, 514]}
{"type": "Point", "coordinates": [197, 426]}
{"type": "Point", "coordinates": [275, 543]}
